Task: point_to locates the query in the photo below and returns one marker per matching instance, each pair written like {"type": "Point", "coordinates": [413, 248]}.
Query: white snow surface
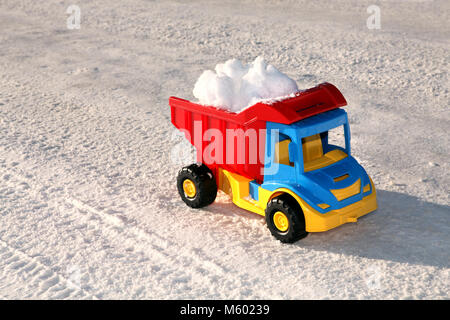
{"type": "Point", "coordinates": [89, 207]}
{"type": "Point", "coordinates": [234, 86]}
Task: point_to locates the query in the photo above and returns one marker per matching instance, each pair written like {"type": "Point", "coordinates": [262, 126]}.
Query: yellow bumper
{"type": "Point", "coordinates": [315, 221]}
{"type": "Point", "coordinates": [318, 222]}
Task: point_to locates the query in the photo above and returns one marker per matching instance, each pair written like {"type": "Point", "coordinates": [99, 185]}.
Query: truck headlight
{"type": "Point", "coordinates": [323, 206]}
{"type": "Point", "coordinates": [366, 188]}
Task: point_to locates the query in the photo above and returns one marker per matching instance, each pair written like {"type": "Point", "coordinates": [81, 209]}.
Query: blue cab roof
{"type": "Point", "coordinates": [319, 123]}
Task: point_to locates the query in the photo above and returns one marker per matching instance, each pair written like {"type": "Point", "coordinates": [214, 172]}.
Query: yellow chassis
{"type": "Point", "coordinates": [237, 187]}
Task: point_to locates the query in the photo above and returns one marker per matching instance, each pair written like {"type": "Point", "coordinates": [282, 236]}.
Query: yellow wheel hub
{"type": "Point", "coordinates": [281, 221]}
{"type": "Point", "coordinates": [189, 188]}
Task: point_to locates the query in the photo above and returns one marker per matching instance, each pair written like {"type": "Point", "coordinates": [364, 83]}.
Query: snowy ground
{"type": "Point", "coordinates": [88, 201]}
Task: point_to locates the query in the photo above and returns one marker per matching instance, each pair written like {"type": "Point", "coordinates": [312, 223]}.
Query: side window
{"type": "Point", "coordinates": [282, 151]}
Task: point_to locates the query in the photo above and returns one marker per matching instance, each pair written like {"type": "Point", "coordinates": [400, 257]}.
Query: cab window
{"type": "Point", "coordinates": [282, 151]}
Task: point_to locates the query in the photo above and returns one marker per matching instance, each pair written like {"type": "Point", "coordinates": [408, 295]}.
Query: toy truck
{"type": "Point", "coordinates": [275, 159]}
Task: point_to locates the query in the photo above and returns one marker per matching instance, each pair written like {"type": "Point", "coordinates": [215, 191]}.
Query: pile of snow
{"type": "Point", "coordinates": [234, 86]}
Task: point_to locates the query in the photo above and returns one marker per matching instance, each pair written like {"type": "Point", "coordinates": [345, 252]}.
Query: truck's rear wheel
{"type": "Point", "coordinates": [196, 185]}
{"type": "Point", "coordinates": [285, 219]}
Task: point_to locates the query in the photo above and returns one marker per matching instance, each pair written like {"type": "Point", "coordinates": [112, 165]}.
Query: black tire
{"type": "Point", "coordinates": [291, 209]}
{"type": "Point", "coordinates": [205, 185]}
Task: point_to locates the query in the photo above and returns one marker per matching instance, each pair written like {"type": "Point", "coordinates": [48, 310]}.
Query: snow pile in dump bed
{"type": "Point", "coordinates": [234, 86]}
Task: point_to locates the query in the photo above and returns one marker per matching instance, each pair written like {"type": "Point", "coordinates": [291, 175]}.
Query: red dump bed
{"type": "Point", "coordinates": [237, 152]}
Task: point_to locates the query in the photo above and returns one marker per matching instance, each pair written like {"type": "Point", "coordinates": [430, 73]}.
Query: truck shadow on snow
{"type": "Point", "coordinates": [404, 229]}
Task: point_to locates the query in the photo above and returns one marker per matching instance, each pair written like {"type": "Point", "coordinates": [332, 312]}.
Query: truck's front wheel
{"type": "Point", "coordinates": [196, 185]}
{"type": "Point", "coordinates": [285, 219]}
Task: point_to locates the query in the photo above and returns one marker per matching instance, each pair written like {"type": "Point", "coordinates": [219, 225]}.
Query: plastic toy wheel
{"type": "Point", "coordinates": [196, 185]}
{"type": "Point", "coordinates": [285, 219]}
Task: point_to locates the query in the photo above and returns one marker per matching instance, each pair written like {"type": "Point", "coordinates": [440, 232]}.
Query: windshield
{"type": "Point", "coordinates": [319, 150]}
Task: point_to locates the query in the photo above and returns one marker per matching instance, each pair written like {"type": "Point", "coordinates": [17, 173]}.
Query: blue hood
{"type": "Point", "coordinates": [339, 175]}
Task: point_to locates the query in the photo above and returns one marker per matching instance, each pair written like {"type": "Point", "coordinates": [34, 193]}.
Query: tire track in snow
{"type": "Point", "coordinates": [140, 234]}
{"type": "Point", "coordinates": [181, 267]}
{"type": "Point", "coordinates": [44, 280]}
